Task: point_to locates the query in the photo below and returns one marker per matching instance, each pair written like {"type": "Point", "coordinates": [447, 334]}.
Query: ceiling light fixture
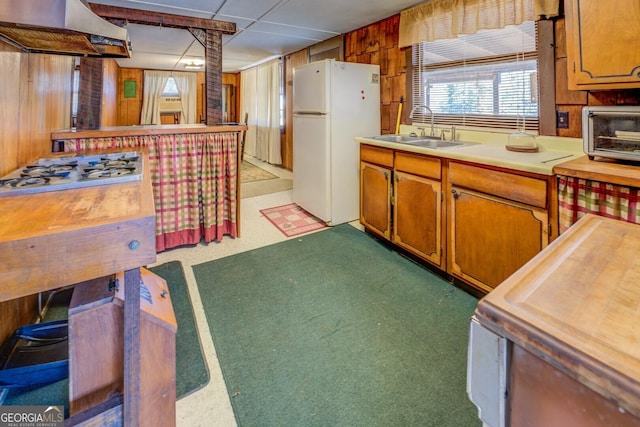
{"type": "Point", "coordinates": [193, 66]}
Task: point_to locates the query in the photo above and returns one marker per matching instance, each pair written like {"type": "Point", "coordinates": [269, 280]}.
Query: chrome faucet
{"type": "Point", "coordinates": [424, 107]}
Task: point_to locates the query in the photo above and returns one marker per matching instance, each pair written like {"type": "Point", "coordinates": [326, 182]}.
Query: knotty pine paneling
{"type": "Point", "coordinates": [129, 109]}
{"type": "Point", "coordinates": [291, 61]}
{"type": "Point", "coordinates": [110, 92]}
{"type": "Point", "coordinates": [234, 80]}
{"type": "Point", "coordinates": [10, 68]}
{"type": "Point", "coordinates": [36, 100]}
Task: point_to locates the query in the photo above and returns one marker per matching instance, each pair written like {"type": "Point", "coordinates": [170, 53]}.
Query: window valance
{"type": "Point", "coordinates": [444, 19]}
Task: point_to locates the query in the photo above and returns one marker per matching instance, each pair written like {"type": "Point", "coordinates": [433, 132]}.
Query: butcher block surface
{"type": "Point", "coordinates": [604, 170]}
{"type": "Point", "coordinates": [59, 238]}
{"type": "Point", "coordinates": [577, 306]}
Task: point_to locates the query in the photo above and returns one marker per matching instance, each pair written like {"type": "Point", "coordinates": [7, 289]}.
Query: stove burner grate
{"type": "Point", "coordinates": [68, 173]}
{"type": "Point", "coordinates": [24, 182]}
{"type": "Point", "coordinates": [107, 173]}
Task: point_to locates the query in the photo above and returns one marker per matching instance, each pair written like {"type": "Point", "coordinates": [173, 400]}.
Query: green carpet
{"type": "Point", "coordinates": [335, 329]}
{"type": "Point", "coordinates": [191, 370]}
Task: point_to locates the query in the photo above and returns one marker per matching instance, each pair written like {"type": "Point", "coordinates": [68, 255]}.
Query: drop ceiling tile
{"type": "Point", "coordinates": [150, 39]}
{"type": "Point", "coordinates": [310, 34]}
{"type": "Point", "coordinates": [248, 9]}
{"type": "Point", "coordinates": [269, 44]}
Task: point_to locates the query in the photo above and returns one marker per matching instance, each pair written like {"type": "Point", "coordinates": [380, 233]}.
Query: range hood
{"type": "Point", "coordinates": [63, 27]}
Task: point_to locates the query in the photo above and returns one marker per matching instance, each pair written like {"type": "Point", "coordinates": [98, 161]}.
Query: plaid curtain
{"type": "Point", "coordinates": [577, 197]}
{"type": "Point", "coordinates": [194, 182]}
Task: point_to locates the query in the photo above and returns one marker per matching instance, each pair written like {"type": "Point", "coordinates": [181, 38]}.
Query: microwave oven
{"type": "Point", "coordinates": [611, 132]}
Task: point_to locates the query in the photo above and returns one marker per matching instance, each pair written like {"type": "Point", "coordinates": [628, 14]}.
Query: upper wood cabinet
{"type": "Point", "coordinates": [603, 44]}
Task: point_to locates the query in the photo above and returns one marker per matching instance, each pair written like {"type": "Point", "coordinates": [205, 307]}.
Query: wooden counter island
{"type": "Point", "coordinates": [194, 174]}
{"type": "Point", "coordinates": [556, 344]}
{"type": "Point", "coordinates": [57, 238]}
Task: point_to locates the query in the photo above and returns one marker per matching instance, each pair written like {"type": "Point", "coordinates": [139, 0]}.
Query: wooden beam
{"type": "Point", "coordinates": [145, 17]}
{"type": "Point", "coordinates": [200, 35]}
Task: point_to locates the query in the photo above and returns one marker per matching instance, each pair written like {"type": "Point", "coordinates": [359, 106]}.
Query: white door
{"type": "Point", "coordinates": [311, 165]}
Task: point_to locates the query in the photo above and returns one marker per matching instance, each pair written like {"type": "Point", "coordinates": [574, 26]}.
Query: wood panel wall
{"type": "Point", "coordinates": [110, 92]}
{"type": "Point", "coordinates": [378, 44]}
{"type": "Point", "coordinates": [129, 110]}
{"type": "Point", "coordinates": [36, 100]}
{"type": "Point", "coordinates": [286, 142]}
{"type": "Point", "coordinates": [233, 79]}
{"type": "Point", "coordinates": [10, 69]}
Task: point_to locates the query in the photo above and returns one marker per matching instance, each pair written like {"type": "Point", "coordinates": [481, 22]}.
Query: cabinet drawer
{"type": "Point", "coordinates": [428, 167]}
{"type": "Point", "coordinates": [376, 155]}
{"type": "Point", "coordinates": [530, 191]}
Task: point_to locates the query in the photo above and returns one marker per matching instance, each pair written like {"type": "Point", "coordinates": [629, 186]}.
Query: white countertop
{"type": "Point", "coordinates": [490, 150]}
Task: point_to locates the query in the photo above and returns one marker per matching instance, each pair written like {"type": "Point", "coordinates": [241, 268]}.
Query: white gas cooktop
{"type": "Point", "coordinates": [63, 173]}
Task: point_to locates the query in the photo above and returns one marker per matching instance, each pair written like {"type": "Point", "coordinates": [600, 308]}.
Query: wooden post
{"type": "Point", "coordinates": [90, 94]}
{"type": "Point", "coordinates": [132, 348]}
{"type": "Point", "coordinates": [213, 76]}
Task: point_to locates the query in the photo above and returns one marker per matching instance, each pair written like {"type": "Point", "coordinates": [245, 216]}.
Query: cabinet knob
{"type": "Point", "coordinates": [134, 244]}
{"type": "Point", "coordinates": [455, 193]}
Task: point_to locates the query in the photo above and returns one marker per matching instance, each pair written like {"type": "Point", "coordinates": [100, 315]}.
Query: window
{"type": "Point", "coordinates": [170, 90]}
{"type": "Point", "coordinates": [487, 79]}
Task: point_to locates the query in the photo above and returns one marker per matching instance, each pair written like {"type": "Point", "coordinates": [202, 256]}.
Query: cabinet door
{"type": "Point", "coordinates": [417, 218]}
{"type": "Point", "coordinates": [602, 42]}
{"type": "Point", "coordinates": [375, 198]}
{"type": "Point", "coordinates": [490, 238]}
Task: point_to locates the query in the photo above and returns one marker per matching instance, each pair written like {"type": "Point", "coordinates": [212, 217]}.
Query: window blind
{"type": "Point", "coordinates": [486, 79]}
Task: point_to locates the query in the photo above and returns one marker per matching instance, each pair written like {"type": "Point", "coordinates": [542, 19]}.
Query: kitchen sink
{"type": "Point", "coordinates": [423, 141]}
{"type": "Point", "coordinates": [400, 138]}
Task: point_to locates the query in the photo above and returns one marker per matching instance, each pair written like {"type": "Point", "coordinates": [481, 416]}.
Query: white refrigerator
{"type": "Point", "coordinates": [333, 102]}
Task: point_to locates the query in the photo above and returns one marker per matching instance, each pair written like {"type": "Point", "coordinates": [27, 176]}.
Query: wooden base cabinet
{"type": "Point", "coordinates": [477, 223]}
{"type": "Point", "coordinates": [497, 222]}
{"type": "Point", "coordinates": [375, 198]}
{"type": "Point", "coordinates": [401, 198]}
{"type": "Point", "coordinates": [556, 344]}
{"type": "Point", "coordinates": [96, 371]}
{"type": "Point", "coordinates": [417, 207]}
